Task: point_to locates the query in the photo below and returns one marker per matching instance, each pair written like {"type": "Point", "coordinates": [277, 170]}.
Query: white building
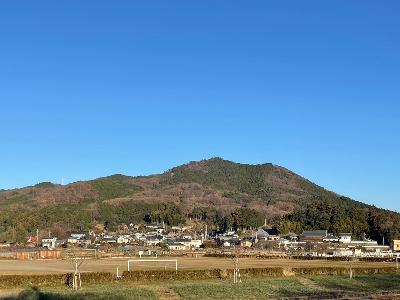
{"type": "Point", "coordinates": [177, 247]}
{"type": "Point", "coordinates": [227, 244]}
{"type": "Point", "coordinates": [49, 243]}
{"type": "Point", "coordinates": [186, 242]}
{"type": "Point", "coordinates": [195, 243]}
{"type": "Point", "coordinates": [123, 239]}
{"type": "Point", "coordinates": [152, 241]}
{"type": "Point", "coordinates": [347, 252]}
{"type": "Point", "coordinates": [330, 238]}
{"type": "Point", "coordinates": [345, 238]}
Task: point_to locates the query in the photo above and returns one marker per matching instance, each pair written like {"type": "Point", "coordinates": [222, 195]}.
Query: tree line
{"type": "Point", "coordinates": [367, 221]}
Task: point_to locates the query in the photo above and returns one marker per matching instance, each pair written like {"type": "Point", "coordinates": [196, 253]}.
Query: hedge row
{"type": "Point", "coordinates": [8, 281]}
{"type": "Point", "coordinates": [267, 256]}
{"type": "Point", "coordinates": [341, 270]}
{"type": "Point", "coordinates": [172, 275]}
{"type": "Point", "coordinates": [250, 272]}
{"type": "Point", "coordinates": [231, 255]}
{"type": "Point", "coordinates": [364, 259]}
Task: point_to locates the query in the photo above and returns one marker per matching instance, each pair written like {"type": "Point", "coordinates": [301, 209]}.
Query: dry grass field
{"type": "Point", "coordinates": [18, 267]}
{"type": "Point", "coordinates": [365, 287]}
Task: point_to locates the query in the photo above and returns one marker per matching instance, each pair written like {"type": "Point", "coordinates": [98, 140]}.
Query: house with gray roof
{"type": "Point", "coordinates": [313, 236]}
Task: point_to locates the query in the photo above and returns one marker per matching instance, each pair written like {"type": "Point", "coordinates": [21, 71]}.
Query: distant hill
{"type": "Point", "coordinates": [274, 192]}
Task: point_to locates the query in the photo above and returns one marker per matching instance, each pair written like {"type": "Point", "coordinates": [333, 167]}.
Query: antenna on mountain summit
{"type": "Point", "coordinates": [62, 180]}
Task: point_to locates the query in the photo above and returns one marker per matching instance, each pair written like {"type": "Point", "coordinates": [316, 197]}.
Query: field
{"type": "Point", "coordinates": [17, 267]}
{"type": "Point", "coordinates": [331, 287]}
{"type": "Point", "coordinates": [253, 286]}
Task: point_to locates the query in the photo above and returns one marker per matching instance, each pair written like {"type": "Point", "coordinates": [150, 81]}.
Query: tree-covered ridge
{"type": "Point", "coordinates": [16, 226]}
{"type": "Point", "coordinates": [221, 193]}
{"type": "Point", "coordinates": [362, 221]}
{"type": "Point", "coordinates": [240, 183]}
{"type": "Point", "coordinates": [222, 174]}
{"type": "Point", "coordinates": [267, 182]}
{"type": "Point", "coordinates": [115, 186]}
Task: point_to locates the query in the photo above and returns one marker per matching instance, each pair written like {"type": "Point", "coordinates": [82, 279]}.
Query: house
{"type": "Point", "coordinates": [313, 236]}
{"type": "Point", "coordinates": [32, 240]}
{"type": "Point", "coordinates": [291, 237]}
{"type": "Point", "coordinates": [396, 245]}
{"type": "Point", "coordinates": [376, 249]}
{"type": "Point", "coordinates": [284, 243]}
{"type": "Point", "coordinates": [177, 247]}
{"type": "Point", "coordinates": [49, 242]}
{"type": "Point", "coordinates": [79, 234]}
{"type": "Point", "coordinates": [176, 228]}
{"type": "Point", "coordinates": [365, 242]}
{"type": "Point", "coordinates": [134, 226]}
{"type": "Point", "coordinates": [61, 243]}
{"type": "Point", "coordinates": [186, 242]}
{"type": "Point", "coordinates": [123, 239]}
{"type": "Point", "coordinates": [273, 234]}
{"type": "Point", "coordinates": [261, 234]}
{"type": "Point", "coordinates": [186, 228]}
{"type": "Point", "coordinates": [160, 230]}
{"type": "Point", "coordinates": [123, 227]}
{"type": "Point", "coordinates": [346, 252]}
{"type": "Point", "coordinates": [72, 240]}
{"type": "Point", "coordinates": [345, 238]}
{"type": "Point", "coordinates": [138, 235]}
{"type": "Point", "coordinates": [108, 239]}
{"type": "Point", "coordinates": [79, 238]}
{"type": "Point", "coordinates": [227, 244]}
{"type": "Point", "coordinates": [246, 244]}
{"type": "Point", "coordinates": [151, 226]}
{"type": "Point", "coordinates": [152, 241]}
{"type": "Point", "coordinates": [330, 238]}
{"type": "Point", "coordinates": [79, 241]}
{"type": "Point", "coordinates": [195, 243]}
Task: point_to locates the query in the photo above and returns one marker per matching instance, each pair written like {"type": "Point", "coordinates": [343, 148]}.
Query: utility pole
{"type": "Point", "coordinates": [37, 237]}
{"type": "Point", "coordinates": [351, 263]}
{"type": "Point", "coordinates": [236, 270]}
{"type": "Point", "coordinates": [351, 268]}
{"type": "Point", "coordinates": [76, 280]}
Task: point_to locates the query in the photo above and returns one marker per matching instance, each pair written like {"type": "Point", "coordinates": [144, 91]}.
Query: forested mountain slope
{"type": "Point", "coordinates": [216, 191]}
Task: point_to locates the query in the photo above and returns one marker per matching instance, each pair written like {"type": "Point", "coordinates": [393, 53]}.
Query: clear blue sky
{"type": "Point", "coordinates": [92, 88]}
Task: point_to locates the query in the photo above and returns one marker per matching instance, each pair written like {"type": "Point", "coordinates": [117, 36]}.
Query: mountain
{"type": "Point", "coordinates": [217, 185]}
{"type": "Point", "coordinates": [217, 182]}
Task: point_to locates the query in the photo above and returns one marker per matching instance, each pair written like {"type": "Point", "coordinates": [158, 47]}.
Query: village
{"type": "Point", "coordinates": [162, 240]}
